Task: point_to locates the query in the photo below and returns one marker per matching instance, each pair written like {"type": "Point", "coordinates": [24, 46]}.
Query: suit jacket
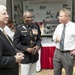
{"type": "Point", "coordinates": [22, 40]}
{"type": "Point", "coordinates": [8, 65]}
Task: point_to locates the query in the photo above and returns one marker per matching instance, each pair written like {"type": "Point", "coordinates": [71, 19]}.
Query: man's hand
{"type": "Point", "coordinates": [30, 50]}
{"type": "Point", "coordinates": [57, 39]}
{"type": "Point", "coordinates": [19, 57]}
{"type": "Point", "coordinates": [33, 50]}
{"type": "Point", "coordinates": [36, 48]}
{"type": "Point", "coordinates": [72, 52]}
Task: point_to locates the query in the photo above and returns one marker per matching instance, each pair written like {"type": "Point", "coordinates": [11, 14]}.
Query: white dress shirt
{"type": "Point", "coordinates": [69, 41]}
{"type": "Point", "coordinates": [9, 32]}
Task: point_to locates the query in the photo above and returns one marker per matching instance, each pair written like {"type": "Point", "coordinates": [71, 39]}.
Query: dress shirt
{"type": "Point", "coordinates": [69, 41]}
{"type": "Point", "coordinates": [6, 35]}
{"type": "Point", "coordinates": [9, 32]}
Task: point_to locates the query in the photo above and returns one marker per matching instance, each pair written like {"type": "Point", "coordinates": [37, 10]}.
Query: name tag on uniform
{"type": "Point", "coordinates": [23, 31]}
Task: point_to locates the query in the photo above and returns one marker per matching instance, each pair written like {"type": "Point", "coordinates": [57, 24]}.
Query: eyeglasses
{"type": "Point", "coordinates": [30, 17]}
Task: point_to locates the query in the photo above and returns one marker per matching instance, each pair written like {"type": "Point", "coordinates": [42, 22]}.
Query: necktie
{"type": "Point", "coordinates": [62, 39]}
{"type": "Point", "coordinates": [7, 37]}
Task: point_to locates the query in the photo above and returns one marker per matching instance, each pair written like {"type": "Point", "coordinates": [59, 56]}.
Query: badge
{"type": "Point", "coordinates": [35, 38]}
{"type": "Point", "coordinates": [31, 43]}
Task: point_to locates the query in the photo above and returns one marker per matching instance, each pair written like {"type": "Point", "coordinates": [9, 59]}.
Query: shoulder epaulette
{"type": "Point", "coordinates": [19, 25]}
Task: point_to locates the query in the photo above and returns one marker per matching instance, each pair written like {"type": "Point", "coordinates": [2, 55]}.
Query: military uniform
{"type": "Point", "coordinates": [27, 37]}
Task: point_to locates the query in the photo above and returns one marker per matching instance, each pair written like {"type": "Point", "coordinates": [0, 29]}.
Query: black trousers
{"type": "Point", "coordinates": [63, 60]}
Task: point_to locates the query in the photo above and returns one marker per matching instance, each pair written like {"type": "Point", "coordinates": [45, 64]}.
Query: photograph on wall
{"type": "Point", "coordinates": [31, 10]}
{"type": "Point", "coordinates": [42, 7]}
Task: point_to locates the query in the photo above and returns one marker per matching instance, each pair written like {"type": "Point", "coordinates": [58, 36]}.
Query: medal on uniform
{"type": "Point", "coordinates": [35, 38]}
{"type": "Point", "coordinates": [35, 31]}
{"type": "Point", "coordinates": [31, 43]}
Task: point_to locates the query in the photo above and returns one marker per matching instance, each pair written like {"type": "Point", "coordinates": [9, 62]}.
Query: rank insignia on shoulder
{"type": "Point", "coordinates": [19, 25]}
{"type": "Point", "coordinates": [24, 27]}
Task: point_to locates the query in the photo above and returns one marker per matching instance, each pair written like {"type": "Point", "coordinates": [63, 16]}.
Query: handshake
{"type": "Point", "coordinates": [33, 50]}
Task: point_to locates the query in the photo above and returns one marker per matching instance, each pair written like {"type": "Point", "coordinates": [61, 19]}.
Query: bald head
{"type": "Point", "coordinates": [26, 13]}
{"type": "Point", "coordinates": [28, 17]}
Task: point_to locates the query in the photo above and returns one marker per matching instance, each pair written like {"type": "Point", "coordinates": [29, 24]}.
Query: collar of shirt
{"type": "Point", "coordinates": [67, 24]}
{"type": "Point", "coordinates": [1, 29]}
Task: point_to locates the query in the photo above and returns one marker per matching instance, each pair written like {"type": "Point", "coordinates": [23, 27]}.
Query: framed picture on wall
{"type": "Point", "coordinates": [31, 10]}
{"type": "Point", "coordinates": [42, 7]}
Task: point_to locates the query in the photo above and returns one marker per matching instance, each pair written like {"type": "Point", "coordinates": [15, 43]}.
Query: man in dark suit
{"type": "Point", "coordinates": [8, 58]}
{"type": "Point", "coordinates": [27, 39]}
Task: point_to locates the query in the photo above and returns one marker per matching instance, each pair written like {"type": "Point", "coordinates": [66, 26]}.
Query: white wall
{"type": "Point", "coordinates": [7, 3]}
{"type": "Point", "coordinates": [3, 2]}
{"type": "Point", "coordinates": [41, 14]}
